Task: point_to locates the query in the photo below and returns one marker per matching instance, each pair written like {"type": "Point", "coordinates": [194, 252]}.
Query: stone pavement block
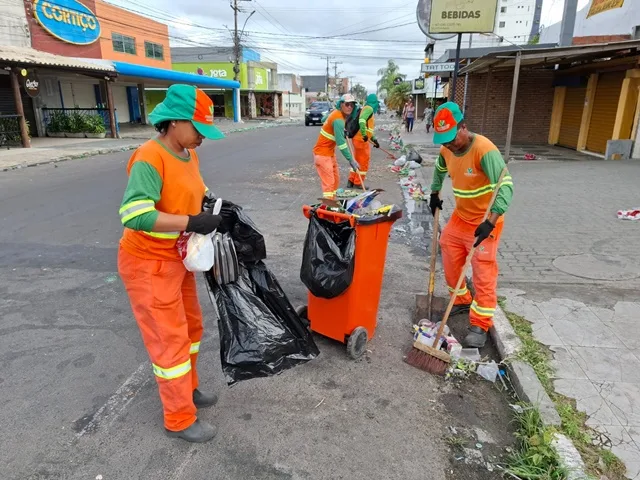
{"type": "Point", "coordinates": [545, 334]}
{"type": "Point", "coordinates": [565, 365]}
{"type": "Point", "coordinates": [628, 333]}
{"type": "Point", "coordinates": [624, 400]}
{"type": "Point", "coordinates": [622, 443]}
{"type": "Point", "coordinates": [607, 364]}
{"type": "Point", "coordinates": [588, 400]}
{"type": "Point", "coordinates": [529, 389]}
{"type": "Point", "coordinates": [585, 333]}
{"type": "Point", "coordinates": [626, 312]}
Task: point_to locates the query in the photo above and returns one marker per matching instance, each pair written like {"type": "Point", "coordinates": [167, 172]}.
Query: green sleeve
{"type": "Point", "coordinates": [492, 164]}
{"type": "Point", "coordinates": [341, 141]}
{"type": "Point", "coordinates": [138, 208]}
{"type": "Point", "coordinates": [439, 173]}
{"type": "Point", "coordinates": [365, 114]}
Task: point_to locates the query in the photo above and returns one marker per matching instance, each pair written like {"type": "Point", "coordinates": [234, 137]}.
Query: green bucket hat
{"type": "Point", "coordinates": [187, 102]}
{"type": "Point", "coordinates": [445, 122]}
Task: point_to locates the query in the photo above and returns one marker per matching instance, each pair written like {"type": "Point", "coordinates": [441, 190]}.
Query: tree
{"type": "Point", "coordinates": [360, 92]}
{"type": "Point", "coordinates": [387, 76]}
{"type": "Point", "coordinates": [398, 96]}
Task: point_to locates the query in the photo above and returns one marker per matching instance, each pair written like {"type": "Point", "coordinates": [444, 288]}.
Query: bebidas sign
{"type": "Point", "coordinates": [67, 20]}
{"type": "Point", "coordinates": [462, 16]}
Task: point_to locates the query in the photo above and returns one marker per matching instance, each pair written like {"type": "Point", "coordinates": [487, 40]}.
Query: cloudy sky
{"type": "Point", "coordinates": [366, 33]}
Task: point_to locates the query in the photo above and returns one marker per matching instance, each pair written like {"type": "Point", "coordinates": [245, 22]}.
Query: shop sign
{"type": "Point", "coordinates": [599, 6]}
{"type": "Point", "coordinates": [418, 84]}
{"type": "Point", "coordinates": [213, 70]}
{"type": "Point", "coordinates": [260, 79]}
{"type": "Point", "coordinates": [30, 82]}
{"type": "Point", "coordinates": [67, 20]}
{"type": "Point", "coordinates": [462, 16]}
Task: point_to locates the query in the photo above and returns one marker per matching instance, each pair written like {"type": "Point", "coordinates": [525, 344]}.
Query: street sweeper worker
{"type": "Point", "coordinates": [332, 135]}
{"type": "Point", "coordinates": [361, 145]}
{"type": "Point", "coordinates": [474, 164]}
{"type": "Point", "coordinates": [164, 197]}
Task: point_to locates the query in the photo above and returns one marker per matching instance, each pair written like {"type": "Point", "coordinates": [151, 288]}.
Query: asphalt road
{"type": "Point", "coordinates": [77, 396]}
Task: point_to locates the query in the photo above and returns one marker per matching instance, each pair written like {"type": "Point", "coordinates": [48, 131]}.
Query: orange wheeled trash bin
{"type": "Point", "coordinates": [351, 317]}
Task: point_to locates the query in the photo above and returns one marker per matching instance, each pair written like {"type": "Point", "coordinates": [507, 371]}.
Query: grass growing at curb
{"type": "Point", "coordinates": [597, 459]}
{"type": "Point", "coordinates": [534, 458]}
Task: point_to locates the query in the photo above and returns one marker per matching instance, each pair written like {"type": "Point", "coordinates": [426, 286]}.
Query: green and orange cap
{"type": "Point", "coordinates": [187, 102]}
{"type": "Point", "coordinates": [445, 122]}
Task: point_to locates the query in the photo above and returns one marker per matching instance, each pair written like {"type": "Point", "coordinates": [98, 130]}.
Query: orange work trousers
{"type": "Point", "coordinates": [362, 152]}
{"type": "Point", "coordinates": [456, 240]}
{"type": "Point", "coordinates": [165, 305]}
{"type": "Point", "coordinates": [329, 173]}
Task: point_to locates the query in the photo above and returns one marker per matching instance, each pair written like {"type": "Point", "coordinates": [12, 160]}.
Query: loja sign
{"type": "Point", "coordinates": [67, 20]}
{"type": "Point", "coordinates": [31, 83]}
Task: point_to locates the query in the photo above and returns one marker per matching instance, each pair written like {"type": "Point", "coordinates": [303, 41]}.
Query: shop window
{"type": "Point", "coordinates": [153, 50]}
{"type": "Point", "coordinates": [122, 43]}
{"type": "Point", "coordinates": [503, 9]}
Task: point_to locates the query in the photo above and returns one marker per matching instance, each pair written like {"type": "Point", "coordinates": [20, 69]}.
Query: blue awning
{"type": "Point", "coordinates": [142, 71]}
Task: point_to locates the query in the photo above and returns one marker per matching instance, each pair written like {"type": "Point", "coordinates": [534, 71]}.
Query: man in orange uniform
{"type": "Point", "coordinates": [332, 135]}
{"type": "Point", "coordinates": [474, 165]}
{"type": "Point", "coordinates": [361, 146]}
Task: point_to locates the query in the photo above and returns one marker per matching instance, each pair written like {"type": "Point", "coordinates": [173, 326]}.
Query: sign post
{"type": "Point", "coordinates": [447, 17]}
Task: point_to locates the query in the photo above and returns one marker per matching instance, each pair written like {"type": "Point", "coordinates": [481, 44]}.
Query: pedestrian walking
{"type": "Point", "coordinates": [361, 145]}
{"type": "Point", "coordinates": [332, 136]}
{"type": "Point", "coordinates": [408, 115]}
{"type": "Point", "coordinates": [474, 164]}
{"type": "Point", "coordinates": [164, 197]}
{"type": "Point", "coordinates": [428, 117]}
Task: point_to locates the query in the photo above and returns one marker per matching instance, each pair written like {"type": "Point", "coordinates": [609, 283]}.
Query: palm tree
{"type": "Point", "coordinates": [398, 95]}
{"type": "Point", "coordinates": [387, 76]}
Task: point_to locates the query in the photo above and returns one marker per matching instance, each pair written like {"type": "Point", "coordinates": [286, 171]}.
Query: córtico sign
{"type": "Point", "coordinates": [67, 20]}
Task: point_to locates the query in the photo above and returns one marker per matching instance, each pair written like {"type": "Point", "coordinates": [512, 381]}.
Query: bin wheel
{"type": "Point", "coordinates": [357, 343]}
{"type": "Point", "coordinates": [301, 311]}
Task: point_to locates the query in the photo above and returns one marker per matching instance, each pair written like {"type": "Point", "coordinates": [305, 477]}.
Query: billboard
{"type": "Point", "coordinates": [599, 6]}
{"type": "Point", "coordinates": [463, 16]}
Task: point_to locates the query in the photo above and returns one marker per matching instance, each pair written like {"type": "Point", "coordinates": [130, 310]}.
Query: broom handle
{"type": "Point", "coordinates": [432, 266]}
{"type": "Point", "coordinates": [353, 155]}
{"type": "Point", "coordinates": [467, 262]}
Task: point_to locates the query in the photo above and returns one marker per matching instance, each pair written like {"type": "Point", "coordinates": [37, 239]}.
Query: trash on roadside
{"type": "Point", "coordinates": [488, 371]}
{"type": "Point", "coordinates": [530, 156]}
{"type": "Point", "coordinates": [413, 164]}
{"type": "Point", "coordinates": [401, 160]}
{"type": "Point", "coordinates": [633, 214]}
{"type": "Point", "coordinates": [413, 156]}
{"type": "Point", "coordinates": [470, 354]}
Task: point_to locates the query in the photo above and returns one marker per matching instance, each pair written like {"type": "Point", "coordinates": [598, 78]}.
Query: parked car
{"type": "Point", "coordinates": [382, 109]}
{"type": "Point", "coordinates": [316, 111]}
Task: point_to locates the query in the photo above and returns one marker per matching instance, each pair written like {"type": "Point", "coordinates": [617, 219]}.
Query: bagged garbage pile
{"type": "Point", "coordinates": [413, 156]}
{"type": "Point", "coordinates": [328, 257]}
{"type": "Point", "coordinates": [260, 333]}
{"type": "Point", "coordinates": [247, 239]}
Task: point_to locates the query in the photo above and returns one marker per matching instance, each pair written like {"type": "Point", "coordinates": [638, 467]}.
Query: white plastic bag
{"type": "Point", "coordinates": [200, 254]}
{"type": "Point", "coordinates": [400, 161]}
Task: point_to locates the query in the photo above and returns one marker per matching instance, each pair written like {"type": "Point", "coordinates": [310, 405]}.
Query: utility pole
{"type": "Point", "coordinates": [326, 81]}
{"type": "Point", "coordinates": [568, 23]}
{"type": "Point", "coordinates": [236, 38]}
{"type": "Point", "coordinates": [335, 74]}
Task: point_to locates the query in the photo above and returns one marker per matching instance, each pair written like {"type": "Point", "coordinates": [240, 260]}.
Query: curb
{"type": "Point", "coordinates": [135, 144]}
{"type": "Point", "coordinates": [529, 389]}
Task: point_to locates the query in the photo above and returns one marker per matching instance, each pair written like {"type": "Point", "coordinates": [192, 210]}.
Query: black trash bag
{"type": "Point", "coordinates": [413, 156]}
{"type": "Point", "coordinates": [260, 333]}
{"type": "Point", "coordinates": [328, 258]}
{"type": "Point", "coordinates": [247, 239]}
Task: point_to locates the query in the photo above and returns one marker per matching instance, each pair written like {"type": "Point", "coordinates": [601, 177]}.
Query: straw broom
{"type": "Point", "coordinates": [431, 359]}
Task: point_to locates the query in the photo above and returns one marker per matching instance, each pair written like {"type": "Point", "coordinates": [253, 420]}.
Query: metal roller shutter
{"type": "Point", "coordinates": [605, 107]}
{"type": "Point", "coordinates": [572, 117]}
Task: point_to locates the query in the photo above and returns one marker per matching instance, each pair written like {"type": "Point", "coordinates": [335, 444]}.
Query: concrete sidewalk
{"type": "Point", "coordinates": [52, 150]}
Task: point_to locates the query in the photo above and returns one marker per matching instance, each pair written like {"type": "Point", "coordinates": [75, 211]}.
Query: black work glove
{"type": "Point", "coordinates": [375, 142]}
{"type": "Point", "coordinates": [434, 203]}
{"type": "Point", "coordinates": [365, 139]}
{"type": "Point", "coordinates": [483, 231]}
{"type": "Point", "coordinates": [203, 223]}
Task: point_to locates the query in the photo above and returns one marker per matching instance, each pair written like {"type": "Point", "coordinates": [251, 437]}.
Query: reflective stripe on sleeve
{"type": "Point", "coordinates": [173, 372]}
{"type": "Point", "coordinates": [478, 192]}
{"type": "Point", "coordinates": [136, 208]}
{"type": "Point", "coordinates": [343, 146]}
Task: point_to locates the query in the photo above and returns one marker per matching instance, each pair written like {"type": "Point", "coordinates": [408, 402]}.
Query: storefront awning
{"type": "Point", "coordinates": [172, 76]}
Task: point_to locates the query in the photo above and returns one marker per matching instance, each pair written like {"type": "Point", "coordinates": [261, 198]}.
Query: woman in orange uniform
{"type": "Point", "coordinates": [163, 198]}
